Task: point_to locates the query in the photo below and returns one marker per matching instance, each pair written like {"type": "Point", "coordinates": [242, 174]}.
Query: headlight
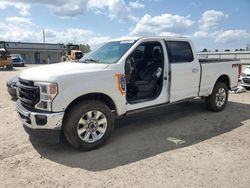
{"type": "Point", "coordinates": [243, 74]}
{"type": "Point", "coordinates": [48, 92]}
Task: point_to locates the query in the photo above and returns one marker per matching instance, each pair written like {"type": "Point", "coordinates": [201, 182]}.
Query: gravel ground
{"type": "Point", "coordinates": [182, 145]}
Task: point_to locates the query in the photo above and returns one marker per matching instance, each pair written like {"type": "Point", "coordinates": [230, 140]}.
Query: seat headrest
{"type": "Point", "coordinates": [156, 52]}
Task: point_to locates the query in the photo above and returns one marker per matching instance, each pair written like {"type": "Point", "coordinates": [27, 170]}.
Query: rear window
{"type": "Point", "coordinates": [179, 51]}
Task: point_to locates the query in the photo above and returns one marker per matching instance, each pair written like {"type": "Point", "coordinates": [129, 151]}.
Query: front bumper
{"type": "Point", "coordinates": [40, 122]}
{"type": "Point", "coordinates": [12, 91]}
{"type": "Point", "coordinates": [245, 82]}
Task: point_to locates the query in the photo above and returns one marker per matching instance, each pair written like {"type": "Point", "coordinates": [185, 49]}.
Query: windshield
{"type": "Point", "coordinates": [15, 55]}
{"type": "Point", "coordinates": [3, 53]}
{"type": "Point", "coordinates": [109, 53]}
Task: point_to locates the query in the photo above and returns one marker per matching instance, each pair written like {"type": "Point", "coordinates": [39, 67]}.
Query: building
{"type": "Point", "coordinates": [36, 53]}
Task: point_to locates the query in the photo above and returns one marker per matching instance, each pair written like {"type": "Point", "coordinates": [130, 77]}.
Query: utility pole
{"type": "Point", "coordinates": [43, 36]}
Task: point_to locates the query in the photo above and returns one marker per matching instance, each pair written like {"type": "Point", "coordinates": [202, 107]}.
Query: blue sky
{"type": "Point", "coordinates": [213, 24]}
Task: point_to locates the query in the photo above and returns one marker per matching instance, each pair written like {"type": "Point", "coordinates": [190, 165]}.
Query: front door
{"type": "Point", "coordinates": [185, 71]}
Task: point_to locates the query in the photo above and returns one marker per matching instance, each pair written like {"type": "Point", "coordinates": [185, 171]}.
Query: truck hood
{"type": "Point", "coordinates": [48, 72]}
{"type": "Point", "coordinates": [247, 71]}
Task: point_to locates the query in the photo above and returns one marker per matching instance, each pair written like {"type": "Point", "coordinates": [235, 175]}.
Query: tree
{"type": "Point", "coordinates": [216, 50]}
{"type": "Point", "coordinates": [85, 48]}
{"type": "Point", "coordinates": [204, 50]}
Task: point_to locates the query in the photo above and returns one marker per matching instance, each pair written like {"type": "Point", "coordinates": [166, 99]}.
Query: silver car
{"type": "Point", "coordinates": [245, 78]}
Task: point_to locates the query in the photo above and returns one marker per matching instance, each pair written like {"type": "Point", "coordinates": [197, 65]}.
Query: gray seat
{"type": "Point", "coordinates": [147, 84]}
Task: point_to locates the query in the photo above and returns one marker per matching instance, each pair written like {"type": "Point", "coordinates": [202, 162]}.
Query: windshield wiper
{"type": "Point", "coordinates": [91, 60]}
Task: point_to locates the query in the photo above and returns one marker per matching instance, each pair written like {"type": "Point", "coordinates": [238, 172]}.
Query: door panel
{"type": "Point", "coordinates": [185, 79]}
{"type": "Point", "coordinates": [185, 70]}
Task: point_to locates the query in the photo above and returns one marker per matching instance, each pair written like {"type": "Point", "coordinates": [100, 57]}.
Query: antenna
{"type": "Point", "coordinates": [43, 36]}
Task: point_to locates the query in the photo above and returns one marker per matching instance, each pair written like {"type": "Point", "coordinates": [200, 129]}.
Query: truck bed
{"type": "Point", "coordinates": [212, 69]}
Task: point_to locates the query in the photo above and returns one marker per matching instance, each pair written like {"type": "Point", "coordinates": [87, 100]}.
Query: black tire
{"type": "Point", "coordinates": [212, 102]}
{"type": "Point", "coordinates": [247, 88]}
{"type": "Point", "coordinates": [70, 124]}
{"type": "Point", "coordinates": [9, 67]}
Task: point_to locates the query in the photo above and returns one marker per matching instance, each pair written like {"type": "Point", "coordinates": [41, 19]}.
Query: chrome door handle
{"type": "Point", "coordinates": [195, 70]}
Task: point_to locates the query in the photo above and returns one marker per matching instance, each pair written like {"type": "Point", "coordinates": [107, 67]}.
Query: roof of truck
{"type": "Point", "coordinates": [149, 37]}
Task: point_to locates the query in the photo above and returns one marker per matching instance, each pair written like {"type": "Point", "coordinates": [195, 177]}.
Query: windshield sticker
{"type": "Point", "coordinates": [121, 81]}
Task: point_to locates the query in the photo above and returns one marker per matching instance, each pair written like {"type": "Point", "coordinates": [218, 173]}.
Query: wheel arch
{"type": "Point", "coordinates": [94, 96]}
{"type": "Point", "coordinates": [225, 79]}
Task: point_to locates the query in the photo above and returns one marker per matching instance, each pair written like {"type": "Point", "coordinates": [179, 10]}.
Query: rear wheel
{"type": "Point", "coordinates": [218, 99]}
{"type": "Point", "coordinates": [88, 125]}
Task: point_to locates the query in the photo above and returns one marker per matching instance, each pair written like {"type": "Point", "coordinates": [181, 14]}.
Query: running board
{"type": "Point", "coordinates": [160, 105]}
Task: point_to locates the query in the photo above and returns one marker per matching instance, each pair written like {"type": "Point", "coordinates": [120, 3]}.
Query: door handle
{"type": "Point", "coordinates": [195, 70]}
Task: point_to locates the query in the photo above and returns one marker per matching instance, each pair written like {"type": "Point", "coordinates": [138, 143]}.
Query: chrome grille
{"type": "Point", "coordinates": [246, 80]}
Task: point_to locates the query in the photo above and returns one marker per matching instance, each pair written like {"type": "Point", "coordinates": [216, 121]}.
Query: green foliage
{"type": "Point", "coordinates": [85, 48]}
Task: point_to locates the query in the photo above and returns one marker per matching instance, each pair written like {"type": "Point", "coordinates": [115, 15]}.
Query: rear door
{"type": "Point", "coordinates": [184, 70]}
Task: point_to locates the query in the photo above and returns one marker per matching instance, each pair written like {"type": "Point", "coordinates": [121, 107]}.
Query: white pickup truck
{"type": "Point", "coordinates": [81, 99]}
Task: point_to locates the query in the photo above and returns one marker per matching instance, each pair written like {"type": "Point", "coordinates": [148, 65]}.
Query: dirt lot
{"type": "Point", "coordinates": [212, 150]}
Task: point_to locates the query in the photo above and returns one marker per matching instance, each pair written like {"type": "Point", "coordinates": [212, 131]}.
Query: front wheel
{"type": "Point", "coordinates": [88, 125]}
{"type": "Point", "coordinates": [218, 99]}
{"type": "Point", "coordinates": [9, 67]}
{"type": "Point", "coordinates": [247, 88]}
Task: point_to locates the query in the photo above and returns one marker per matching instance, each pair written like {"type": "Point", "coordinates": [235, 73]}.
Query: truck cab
{"type": "Point", "coordinates": [155, 72]}
{"type": "Point", "coordinates": [122, 76]}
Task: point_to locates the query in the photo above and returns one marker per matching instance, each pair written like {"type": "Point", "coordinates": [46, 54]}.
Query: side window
{"type": "Point", "coordinates": [179, 51]}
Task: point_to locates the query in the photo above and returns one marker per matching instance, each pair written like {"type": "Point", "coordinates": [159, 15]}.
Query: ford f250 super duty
{"type": "Point", "coordinates": [81, 99]}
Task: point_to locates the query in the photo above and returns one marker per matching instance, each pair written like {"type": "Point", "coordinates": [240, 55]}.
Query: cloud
{"type": "Point", "coordinates": [230, 36]}
{"type": "Point", "coordinates": [19, 20]}
{"type": "Point", "coordinates": [22, 7]}
{"type": "Point", "coordinates": [211, 19]}
{"type": "Point", "coordinates": [116, 9]}
{"type": "Point", "coordinates": [75, 35]}
{"type": "Point", "coordinates": [201, 34]}
{"type": "Point", "coordinates": [136, 4]}
{"type": "Point", "coordinates": [223, 39]}
{"type": "Point", "coordinates": [11, 31]}
{"type": "Point", "coordinates": [154, 25]}
{"type": "Point", "coordinates": [69, 9]}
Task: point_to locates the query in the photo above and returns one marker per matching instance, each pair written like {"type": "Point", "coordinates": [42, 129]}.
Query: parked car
{"type": "Point", "coordinates": [17, 60]}
{"type": "Point", "coordinates": [11, 87]}
{"type": "Point", "coordinates": [245, 77]}
{"type": "Point", "coordinates": [123, 76]}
